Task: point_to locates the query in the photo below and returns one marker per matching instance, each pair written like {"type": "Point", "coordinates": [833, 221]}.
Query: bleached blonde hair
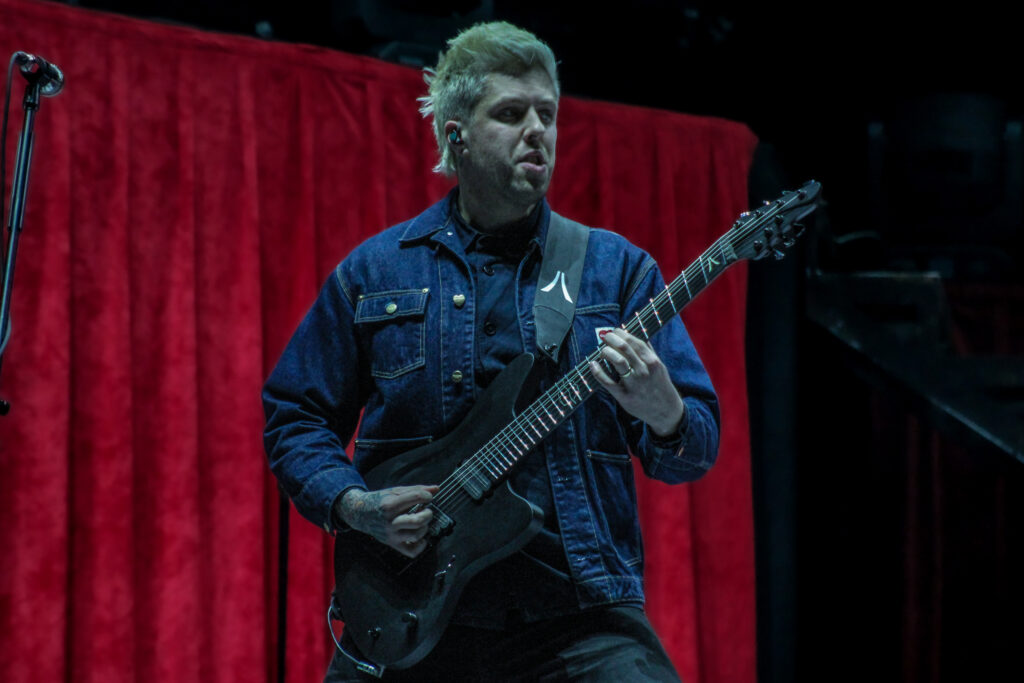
{"type": "Point", "coordinates": [458, 81]}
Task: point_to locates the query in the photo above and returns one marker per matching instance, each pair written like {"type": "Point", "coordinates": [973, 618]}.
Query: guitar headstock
{"type": "Point", "coordinates": [774, 227]}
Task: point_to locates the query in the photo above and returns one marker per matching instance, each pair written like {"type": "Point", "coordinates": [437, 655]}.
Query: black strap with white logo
{"type": "Point", "coordinates": [561, 271]}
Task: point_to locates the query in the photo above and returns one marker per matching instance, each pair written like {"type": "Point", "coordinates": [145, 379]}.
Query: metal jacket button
{"type": "Point", "coordinates": [391, 308]}
{"type": "Point", "coordinates": [459, 300]}
{"type": "Point", "coordinates": [457, 376]}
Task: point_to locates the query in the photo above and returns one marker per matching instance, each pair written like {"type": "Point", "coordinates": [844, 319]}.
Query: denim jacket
{"type": "Point", "coordinates": [392, 334]}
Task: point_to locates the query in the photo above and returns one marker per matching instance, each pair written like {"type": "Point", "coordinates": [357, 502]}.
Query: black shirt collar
{"type": "Point", "coordinates": [513, 241]}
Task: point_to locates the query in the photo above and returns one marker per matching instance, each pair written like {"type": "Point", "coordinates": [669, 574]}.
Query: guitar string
{"type": "Point", "coordinates": [496, 458]}
{"type": "Point", "coordinates": [497, 455]}
{"type": "Point", "coordinates": [500, 454]}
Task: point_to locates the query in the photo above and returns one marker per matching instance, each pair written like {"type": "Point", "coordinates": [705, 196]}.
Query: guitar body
{"type": "Point", "coordinates": [396, 608]}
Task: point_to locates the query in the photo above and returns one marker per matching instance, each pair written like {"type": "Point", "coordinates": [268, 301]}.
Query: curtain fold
{"type": "Point", "coordinates": [190, 192]}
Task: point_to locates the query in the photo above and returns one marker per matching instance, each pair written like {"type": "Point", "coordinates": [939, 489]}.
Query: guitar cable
{"type": "Point", "coordinates": [365, 667]}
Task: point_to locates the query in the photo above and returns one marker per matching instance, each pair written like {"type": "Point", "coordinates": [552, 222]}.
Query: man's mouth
{"type": "Point", "coordinates": [533, 160]}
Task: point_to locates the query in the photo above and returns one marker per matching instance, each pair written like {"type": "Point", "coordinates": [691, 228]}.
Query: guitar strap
{"type": "Point", "coordinates": [561, 271]}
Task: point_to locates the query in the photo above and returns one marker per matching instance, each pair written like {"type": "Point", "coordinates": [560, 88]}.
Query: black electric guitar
{"type": "Point", "coordinates": [396, 608]}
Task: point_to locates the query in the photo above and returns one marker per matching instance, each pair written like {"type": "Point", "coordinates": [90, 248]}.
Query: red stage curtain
{"type": "Point", "coordinates": [190, 192]}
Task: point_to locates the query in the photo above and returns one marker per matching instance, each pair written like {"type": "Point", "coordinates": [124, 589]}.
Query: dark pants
{"type": "Point", "coordinates": [614, 644]}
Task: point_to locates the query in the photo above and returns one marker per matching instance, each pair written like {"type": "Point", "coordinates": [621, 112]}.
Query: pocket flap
{"type": "Point", "coordinates": [383, 306]}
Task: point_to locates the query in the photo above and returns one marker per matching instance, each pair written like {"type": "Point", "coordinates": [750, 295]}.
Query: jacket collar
{"type": "Point", "coordinates": [429, 223]}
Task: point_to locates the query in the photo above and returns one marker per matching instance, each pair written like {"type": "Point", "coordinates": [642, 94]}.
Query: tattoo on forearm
{"type": "Point", "coordinates": [362, 511]}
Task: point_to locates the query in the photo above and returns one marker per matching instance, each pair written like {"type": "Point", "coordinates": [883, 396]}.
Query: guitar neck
{"type": "Point", "coordinates": [531, 426]}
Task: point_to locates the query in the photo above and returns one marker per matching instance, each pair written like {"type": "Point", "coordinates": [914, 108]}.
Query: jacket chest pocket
{"type": "Point", "coordinates": [392, 323]}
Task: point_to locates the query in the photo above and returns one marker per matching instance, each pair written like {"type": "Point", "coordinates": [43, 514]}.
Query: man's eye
{"type": "Point", "coordinates": [508, 114]}
{"type": "Point", "coordinates": [546, 117]}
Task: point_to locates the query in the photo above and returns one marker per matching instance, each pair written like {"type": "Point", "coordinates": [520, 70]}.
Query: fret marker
{"type": "Point", "coordinates": [647, 337]}
{"type": "Point", "coordinates": [656, 316]}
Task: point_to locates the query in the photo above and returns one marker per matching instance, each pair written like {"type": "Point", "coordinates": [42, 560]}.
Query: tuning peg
{"type": "Point", "coordinates": [788, 242]}
{"type": "Point", "coordinates": [798, 229]}
{"type": "Point", "coordinates": [779, 255]}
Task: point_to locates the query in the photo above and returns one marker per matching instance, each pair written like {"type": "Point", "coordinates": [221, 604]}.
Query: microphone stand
{"type": "Point", "coordinates": [19, 187]}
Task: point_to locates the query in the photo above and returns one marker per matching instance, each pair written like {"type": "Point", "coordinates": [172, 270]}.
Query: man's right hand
{"type": "Point", "coordinates": [386, 515]}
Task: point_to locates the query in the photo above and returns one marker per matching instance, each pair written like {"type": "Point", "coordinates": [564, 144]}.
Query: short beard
{"type": "Point", "coordinates": [518, 195]}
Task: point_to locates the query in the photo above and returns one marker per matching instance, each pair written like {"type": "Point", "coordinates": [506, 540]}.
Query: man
{"type": "Point", "coordinates": [417, 321]}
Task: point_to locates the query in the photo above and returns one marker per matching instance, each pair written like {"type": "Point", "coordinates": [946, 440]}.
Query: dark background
{"type": "Point", "coordinates": [886, 530]}
{"type": "Point", "coordinates": [807, 77]}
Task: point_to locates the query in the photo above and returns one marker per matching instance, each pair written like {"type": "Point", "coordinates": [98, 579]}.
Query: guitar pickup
{"type": "Point", "coordinates": [441, 523]}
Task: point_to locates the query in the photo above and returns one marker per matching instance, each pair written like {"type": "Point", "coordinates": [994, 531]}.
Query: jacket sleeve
{"type": "Point", "coordinates": [690, 452]}
{"type": "Point", "coordinates": [312, 401]}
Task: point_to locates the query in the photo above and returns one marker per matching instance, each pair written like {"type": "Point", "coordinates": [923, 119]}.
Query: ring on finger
{"type": "Point", "coordinates": [627, 373]}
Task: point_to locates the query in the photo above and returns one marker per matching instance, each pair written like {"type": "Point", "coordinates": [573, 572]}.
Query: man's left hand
{"type": "Point", "coordinates": [644, 389]}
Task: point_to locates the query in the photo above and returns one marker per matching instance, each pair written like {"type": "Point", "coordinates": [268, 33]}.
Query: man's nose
{"type": "Point", "coordinates": [534, 125]}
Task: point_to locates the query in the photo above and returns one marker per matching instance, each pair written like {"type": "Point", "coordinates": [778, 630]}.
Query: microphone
{"type": "Point", "coordinates": [37, 70]}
